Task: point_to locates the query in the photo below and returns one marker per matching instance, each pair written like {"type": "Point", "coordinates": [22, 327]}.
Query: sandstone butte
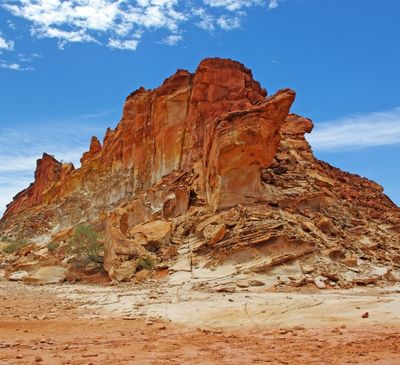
{"type": "Point", "coordinates": [208, 161]}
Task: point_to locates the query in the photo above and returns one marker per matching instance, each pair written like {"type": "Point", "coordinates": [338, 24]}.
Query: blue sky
{"type": "Point", "coordinates": [67, 66]}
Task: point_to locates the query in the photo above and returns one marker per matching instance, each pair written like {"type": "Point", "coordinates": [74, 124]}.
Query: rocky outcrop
{"type": "Point", "coordinates": [47, 173]}
{"type": "Point", "coordinates": [94, 150]}
{"type": "Point", "coordinates": [240, 144]}
{"type": "Point", "coordinates": [207, 160]}
{"type": "Point", "coordinates": [161, 131]}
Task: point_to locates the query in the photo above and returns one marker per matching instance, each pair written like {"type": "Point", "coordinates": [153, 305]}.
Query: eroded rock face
{"type": "Point", "coordinates": [161, 131]}
{"type": "Point", "coordinates": [240, 145]}
{"type": "Point", "coordinates": [207, 160]}
{"type": "Point", "coordinates": [47, 173]}
{"type": "Point", "coordinates": [94, 150]}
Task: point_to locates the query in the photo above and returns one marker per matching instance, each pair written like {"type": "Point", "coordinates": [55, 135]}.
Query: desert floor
{"type": "Point", "coordinates": [125, 324]}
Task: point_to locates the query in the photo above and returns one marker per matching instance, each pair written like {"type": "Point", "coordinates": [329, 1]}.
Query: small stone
{"type": "Point", "coordinates": [18, 275]}
{"type": "Point", "coordinates": [365, 280]}
{"type": "Point", "coordinates": [141, 275]}
{"type": "Point", "coordinates": [243, 284]}
{"type": "Point", "coordinates": [19, 356]}
{"type": "Point", "coordinates": [307, 269]}
{"type": "Point", "coordinates": [350, 261]}
{"type": "Point", "coordinates": [213, 233]}
{"type": "Point", "coordinates": [256, 283]}
{"type": "Point", "coordinates": [298, 280]}
{"type": "Point", "coordinates": [170, 251]}
{"type": "Point", "coordinates": [38, 358]}
{"type": "Point", "coordinates": [365, 315]}
{"type": "Point", "coordinates": [226, 289]}
{"type": "Point", "coordinates": [149, 323]}
{"type": "Point", "coordinates": [319, 282]}
{"type": "Point", "coordinates": [324, 224]}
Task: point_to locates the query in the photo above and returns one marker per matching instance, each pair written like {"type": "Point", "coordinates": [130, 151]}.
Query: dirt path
{"type": "Point", "coordinates": [38, 326]}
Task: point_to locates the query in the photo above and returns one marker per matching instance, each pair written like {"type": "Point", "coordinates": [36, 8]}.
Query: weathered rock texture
{"type": "Point", "coordinates": [207, 159]}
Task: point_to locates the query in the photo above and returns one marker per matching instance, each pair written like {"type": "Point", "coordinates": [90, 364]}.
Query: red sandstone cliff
{"type": "Point", "coordinates": [173, 127]}
{"type": "Point", "coordinates": [208, 160]}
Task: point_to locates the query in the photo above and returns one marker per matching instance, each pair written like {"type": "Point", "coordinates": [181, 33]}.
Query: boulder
{"type": "Point", "coordinates": [214, 233]}
{"type": "Point", "coordinates": [155, 234]}
{"type": "Point", "coordinates": [47, 275]}
{"type": "Point", "coordinates": [18, 275]}
{"type": "Point", "coordinates": [324, 224]}
{"type": "Point", "coordinates": [120, 253]}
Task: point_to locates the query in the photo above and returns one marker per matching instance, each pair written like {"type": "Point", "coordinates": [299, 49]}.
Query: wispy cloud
{"type": "Point", "coordinates": [172, 40]}
{"type": "Point", "coordinates": [20, 62]}
{"type": "Point", "coordinates": [357, 131]}
{"type": "Point", "coordinates": [130, 44]}
{"type": "Point", "coordinates": [120, 24]}
{"type": "Point", "coordinates": [229, 23]}
{"type": "Point", "coordinates": [204, 20]}
{"type": "Point", "coordinates": [20, 148]}
{"type": "Point", "coordinates": [233, 5]}
{"type": "Point", "coordinates": [273, 4]}
{"type": "Point", "coordinates": [6, 45]}
{"type": "Point", "coordinates": [14, 66]}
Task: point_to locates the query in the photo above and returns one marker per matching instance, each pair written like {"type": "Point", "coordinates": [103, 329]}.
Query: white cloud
{"type": "Point", "coordinates": [86, 20]}
{"type": "Point", "coordinates": [172, 40]}
{"type": "Point", "coordinates": [11, 24]}
{"type": "Point", "coordinates": [232, 5]}
{"type": "Point", "coordinates": [63, 35]}
{"type": "Point", "coordinates": [126, 44]}
{"type": "Point", "coordinates": [357, 131]}
{"type": "Point", "coordinates": [28, 57]}
{"type": "Point", "coordinates": [6, 45]}
{"type": "Point", "coordinates": [228, 23]}
{"type": "Point", "coordinates": [121, 23]}
{"type": "Point", "coordinates": [14, 66]}
{"type": "Point", "coordinates": [273, 4]}
{"type": "Point", "coordinates": [206, 21]}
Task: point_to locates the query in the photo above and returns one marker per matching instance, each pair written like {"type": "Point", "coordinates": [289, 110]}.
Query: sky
{"type": "Point", "coordinates": [67, 66]}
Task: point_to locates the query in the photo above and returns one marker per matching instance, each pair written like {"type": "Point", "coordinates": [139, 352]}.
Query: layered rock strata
{"type": "Point", "coordinates": [208, 160]}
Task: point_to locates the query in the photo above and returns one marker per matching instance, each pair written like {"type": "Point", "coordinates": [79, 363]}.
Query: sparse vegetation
{"type": "Point", "coordinates": [52, 246]}
{"type": "Point", "coordinates": [86, 245]}
{"type": "Point", "coordinates": [145, 263]}
{"type": "Point", "coordinates": [13, 245]}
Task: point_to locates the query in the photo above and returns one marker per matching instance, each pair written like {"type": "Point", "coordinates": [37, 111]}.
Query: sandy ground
{"type": "Point", "coordinates": [176, 324]}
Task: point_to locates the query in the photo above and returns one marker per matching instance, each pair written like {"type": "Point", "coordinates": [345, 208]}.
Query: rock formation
{"type": "Point", "coordinates": [208, 160]}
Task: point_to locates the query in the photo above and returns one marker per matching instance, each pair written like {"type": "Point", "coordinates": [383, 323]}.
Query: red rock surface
{"type": "Point", "coordinates": [47, 173]}
{"type": "Point", "coordinates": [165, 129]}
{"type": "Point", "coordinates": [230, 171]}
{"type": "Point", "coordinates": [240, 144]}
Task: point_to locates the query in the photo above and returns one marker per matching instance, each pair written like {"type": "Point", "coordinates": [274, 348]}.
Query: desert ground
{"type": "Point", "coordinates": [174, 323]}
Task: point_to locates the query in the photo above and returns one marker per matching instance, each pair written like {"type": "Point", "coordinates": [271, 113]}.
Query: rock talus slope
{"type": "Point", "coordinates": [209, 161]}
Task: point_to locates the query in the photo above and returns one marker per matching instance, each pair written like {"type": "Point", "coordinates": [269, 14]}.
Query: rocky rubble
{"type": "Point", "coordinates": [209, 162]}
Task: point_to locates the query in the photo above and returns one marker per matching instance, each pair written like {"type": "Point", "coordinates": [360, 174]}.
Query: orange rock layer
{"type": "Point", "coordinates": [209, 162]}
{"type": "Point", "coordinates": [218, 117]}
